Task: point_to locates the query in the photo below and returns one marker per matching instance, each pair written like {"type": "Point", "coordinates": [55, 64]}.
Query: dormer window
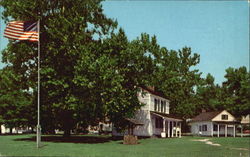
{"type": "Point", "coordinates": [224, 117]}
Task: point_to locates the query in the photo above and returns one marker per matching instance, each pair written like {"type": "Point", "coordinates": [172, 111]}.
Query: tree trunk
{"type": "Point", "coordinates": [66, 133]}
{"type": "Point", "coordinates": [11, 130]}
{"type": "Point", "coordinates": [0, 129]}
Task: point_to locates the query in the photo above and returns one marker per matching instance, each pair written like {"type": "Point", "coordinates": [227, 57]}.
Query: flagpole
{"type": "Point", "coordinates": [38, 132]}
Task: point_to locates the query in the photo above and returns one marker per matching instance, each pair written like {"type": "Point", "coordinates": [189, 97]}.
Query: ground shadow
{"type": "Point", "coordinates": [72, 139]}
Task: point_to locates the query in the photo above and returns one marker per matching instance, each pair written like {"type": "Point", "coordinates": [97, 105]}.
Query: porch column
{"type": "Point", "coordinates": [180, 130]}
{"type": "Point", "coordinates": [234, 130]}
{"type": "Point", "coordinates": [212, 129]}
{"type": "Point", "coordinates": [176, 124]}
{"type": "Point", "coordinates": [164, 127]}
{"type": "Point", "coordinates": [241, 129]}
{"type": "Point", "coordinates": [168, 128]}
{"type": "Point", "coordinates": [172, 129]}
{"type": "Point", "coordinates": [218, 130]}
{"type": "Point", "coordinates": [225, 130]}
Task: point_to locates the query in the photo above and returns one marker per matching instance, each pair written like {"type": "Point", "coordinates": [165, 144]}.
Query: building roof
{"type": "Point", "coordinates": [167, 116]}
{"type": "Point", "coordinates": [154, 92]}
{"type": "Point", "coordinates": [227, 122]}
{"type": "Point", "coordinates": [133, 121]}
{"type": "Point", "coordinates": [206, 116]}
{"type": "Point", "coordinates": [245, 119]}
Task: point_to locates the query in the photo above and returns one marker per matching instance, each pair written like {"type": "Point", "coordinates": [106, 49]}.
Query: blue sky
{"type": "Point", "coordinates": [217, 30]}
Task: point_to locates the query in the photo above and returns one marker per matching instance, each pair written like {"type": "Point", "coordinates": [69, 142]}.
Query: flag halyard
{"type": "Point", "coordinates": [22, 30]}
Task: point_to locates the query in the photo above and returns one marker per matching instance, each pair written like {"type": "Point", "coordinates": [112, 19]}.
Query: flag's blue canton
{"type": "Point", "coordinates": [30, 26]}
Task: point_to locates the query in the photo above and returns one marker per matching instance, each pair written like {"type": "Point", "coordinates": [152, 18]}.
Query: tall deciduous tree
{"type": "Point", "coordinates": [176, 77]}
{"type": "Point", "coordinates": [237, 90]}
{"type": "Point", "coordinates": [68, 28]}
{"type": "Point", "coordinates": [88, 72]}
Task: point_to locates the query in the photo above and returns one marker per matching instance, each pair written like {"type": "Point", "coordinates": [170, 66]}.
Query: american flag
{"type": "Point", "coordinates": [22, 30]}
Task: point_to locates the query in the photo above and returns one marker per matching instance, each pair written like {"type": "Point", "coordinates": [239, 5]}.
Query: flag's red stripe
{"type": "Point", "coordinates": [15, 25]}
{"type": "Point", "coordinates": [22, 33]}
{"type": "Point", "coordinates": [16, 22]}
{"type": "Point", "coordinates": [15, 28]}
{"type": "Point", "coordinates": [30, 39]}
{"type": "Point", "coordinates": [20, 36]}
{"type": "Point", "coordinates": [15, 38]}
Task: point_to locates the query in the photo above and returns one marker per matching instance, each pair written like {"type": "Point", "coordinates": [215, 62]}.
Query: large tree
{"type": "Point", "coordinates": [232, 95]}
{"type": "Point", "coordinates": [176, 77]}
{"type": "Point", "coordinates": [68, 29]}
{"type": "Point", "coordinates": [237, 90]}
{"type": "Point", "coordinates": [88, 72]}
{"type": "Point", "coordinates": [209, 95]}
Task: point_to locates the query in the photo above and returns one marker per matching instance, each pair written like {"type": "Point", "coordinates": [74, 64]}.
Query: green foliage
{"type": "Point", "coordinates": [14, 102]}
{"type": "Point", "coordinates": [233, 95]}
{"type": "Point", "coordinates": [175, 77]}
{"type": "Point", "coordinates": [237, 90]}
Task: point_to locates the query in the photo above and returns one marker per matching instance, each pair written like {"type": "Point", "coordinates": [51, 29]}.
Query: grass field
{"type": "Point", "coordinates": [100, 146]}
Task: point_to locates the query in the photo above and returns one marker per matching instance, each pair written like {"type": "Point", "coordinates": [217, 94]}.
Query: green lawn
{"type": "Point", "coordinates": [99, 146]}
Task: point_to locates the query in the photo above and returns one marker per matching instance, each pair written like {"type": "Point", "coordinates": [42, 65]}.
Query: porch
{"type": "Point", "coordinates": [223, 129]}
{"type": "Point", "coordinates": [165, 126]}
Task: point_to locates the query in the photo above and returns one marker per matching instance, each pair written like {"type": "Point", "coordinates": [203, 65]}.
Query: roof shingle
{"type": "Point", "coordinates": [206, 116]}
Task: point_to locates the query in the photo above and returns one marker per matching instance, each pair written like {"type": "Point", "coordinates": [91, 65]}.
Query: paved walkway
{"type": "Point", "coordinates": [216, 144]}
{"type": "Point", "coordinates": [208, 142]}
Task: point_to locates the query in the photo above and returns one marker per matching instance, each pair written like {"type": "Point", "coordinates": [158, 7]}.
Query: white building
{"type": "Point", "coordinates": [16, 130]}
{"type": "Point", "coordinates": [214, 124]}
{"type": "Point", "coordinates": [155, 116]}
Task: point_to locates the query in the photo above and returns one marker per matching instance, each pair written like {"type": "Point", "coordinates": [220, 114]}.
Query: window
{"type": "Point", "coordinates": [158, 122]}
{"type": "Point", "coordinates": [204, 127]}
{"type": "Point", "coordinates": [224, 117]}
{"type": "Point", "coordinates": [215, 127]}
{"type": "Point", "coordinates": [159, 105]}
{"type": "Point", "coordinates": [155, 104]}
{"type": "Point", "coordinates": [200, 128]}
{"type": "Point", "coordinates": [162, 106]}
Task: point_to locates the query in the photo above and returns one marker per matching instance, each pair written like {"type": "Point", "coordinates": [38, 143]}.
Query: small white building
{"type": "Point", "coordinates": [245, 120]}
{"type": "Point", "coordinates": [218, 123]}
{"type": "Point", "coordinates": [15, 130]}
{"type": "Point", "coordinates": [154, 116]}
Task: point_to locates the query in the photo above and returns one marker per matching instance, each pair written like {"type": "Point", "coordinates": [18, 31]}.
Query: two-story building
{"type": "Point", "coordinates": [154, 116]}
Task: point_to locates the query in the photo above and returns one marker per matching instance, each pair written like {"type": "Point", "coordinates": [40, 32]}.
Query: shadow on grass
{"type": "Point", "coordinates": [72, 139]}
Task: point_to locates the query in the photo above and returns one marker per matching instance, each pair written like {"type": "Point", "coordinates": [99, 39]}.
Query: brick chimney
{"type": "Point", "coordinates": [151, 88]}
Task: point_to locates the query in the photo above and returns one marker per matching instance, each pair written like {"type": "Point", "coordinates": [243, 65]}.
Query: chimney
{"type": "Point", "coordinates": [151, 88]}
{"type": "Point", "coordinates": [203, 110]}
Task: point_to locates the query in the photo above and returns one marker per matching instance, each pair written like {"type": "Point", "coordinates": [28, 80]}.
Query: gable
{"type": "Point", "coordinates": [224, 116]}
{"type": "Point", "coordinates": [154, 93]}
{"type": "Point", "coordinates": [245, 119]}
{"type": "Point", "coordinates": [205, 116]}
